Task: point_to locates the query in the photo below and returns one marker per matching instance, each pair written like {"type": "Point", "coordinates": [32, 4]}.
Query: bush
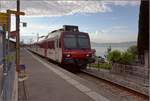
{"type": "Point", "coordinates": [133, 50]}
{"type": "Point", "coordinates": [105, 66]}
{"type": "Point", "coordinates": [126, 58]}
{"type": "Point", "coordinates": [114, 56]}
{"type": "Point", "coordinates": [121, 57]}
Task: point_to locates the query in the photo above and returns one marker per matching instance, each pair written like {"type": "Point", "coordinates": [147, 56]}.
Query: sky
{"type": "Point", "coordinates": [104, 20]}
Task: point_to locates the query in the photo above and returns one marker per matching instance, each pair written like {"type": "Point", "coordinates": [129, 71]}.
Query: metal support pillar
{"type": "Point", "coordinates": [9, 29]}
{"type": "Point", "coordinates": [4, 52]}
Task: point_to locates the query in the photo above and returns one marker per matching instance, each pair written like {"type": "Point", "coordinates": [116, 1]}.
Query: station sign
{"type": "Point", "coordinates": [15, 12]}
{"type": "Point", "coordinates": [4, 20]}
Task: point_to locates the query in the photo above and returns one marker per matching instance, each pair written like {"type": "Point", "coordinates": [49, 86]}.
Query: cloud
{"type": "Point", "coordinates": [125, 2]}
{"type": "Point", "coordinates": [99, 36]}
{"type": "Point", "coordinates": [114, 34]}
{"type": "Point", "coordinates": [34, 29]}
{"type": "Point", "coordinates": [60, 8]}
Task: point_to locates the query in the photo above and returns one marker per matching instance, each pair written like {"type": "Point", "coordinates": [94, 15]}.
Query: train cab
{"type": "Point", "coordinates": [76, 47]}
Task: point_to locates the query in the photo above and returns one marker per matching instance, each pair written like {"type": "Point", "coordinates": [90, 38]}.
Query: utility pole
{"type": "Point", "coordinates": [18, 37]}
{"type": "Point", "coordinates": [37, 37]}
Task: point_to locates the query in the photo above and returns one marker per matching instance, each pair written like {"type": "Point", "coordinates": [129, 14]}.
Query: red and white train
{"type": "Point", "coordinates": [66, 46]}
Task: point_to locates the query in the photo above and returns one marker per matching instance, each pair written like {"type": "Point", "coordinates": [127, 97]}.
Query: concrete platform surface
{"type": "Point", "coordinates": [45, 84]}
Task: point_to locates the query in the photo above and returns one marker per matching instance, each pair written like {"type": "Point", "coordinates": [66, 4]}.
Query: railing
{"type": "Point", "coordinates": [7, 70]}
{"type": "Point", "coordinates": [8, 81]}
{"type": "Point", "coordinates": [1, 64]}
{"type": "Point", "coordinates": [1, 83]}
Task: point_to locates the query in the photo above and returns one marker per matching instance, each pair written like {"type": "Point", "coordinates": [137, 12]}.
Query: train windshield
{"type": "Point", "coordinates": [83, 41]}
{"type": "Point", "coordinates": [76, 41]}
{"type": "Point", "coordinates": [70, 41]}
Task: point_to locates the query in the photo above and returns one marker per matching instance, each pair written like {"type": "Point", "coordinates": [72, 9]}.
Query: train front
{"type": "Point", "coordinates": [77, 49]}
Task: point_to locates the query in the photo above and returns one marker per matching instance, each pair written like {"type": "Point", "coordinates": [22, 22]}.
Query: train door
{"type": "Point", "coordinates": [60, 50]}
{"type": "Point", "coordinates": [45, 48]}
{"type": "Point", "coordinates": [57, 49]}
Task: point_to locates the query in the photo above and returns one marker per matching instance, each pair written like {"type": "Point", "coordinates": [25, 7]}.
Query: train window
{"type": "Point", "coordinates": [57, 43]}
{"type": "Point", "coordinates": [45, 44]}
{"type": "Point", "coordinates": [51, 44]}
{"type": "Point", "coordinates": [76, 41]}
{"type": "Point", "coordinates": [48, 44]}
{"type": "Point", "coordinates": [83, 41]}
{"type": "Point", "coordinates": [70, 41]}
{"type": "Point", "coordinates": [40, 45]}
{"type": "Point", "coordinates": [60, 43]}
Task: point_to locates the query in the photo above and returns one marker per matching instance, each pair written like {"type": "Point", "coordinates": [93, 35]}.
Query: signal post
{"type": "Point", "coordinates": [17, 13]}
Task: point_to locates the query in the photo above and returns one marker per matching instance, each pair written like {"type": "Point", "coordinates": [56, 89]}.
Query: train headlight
{"type": "Point", "coordinates": [68, 55]}
{"type": "Point", "coordinates": [87, 55]}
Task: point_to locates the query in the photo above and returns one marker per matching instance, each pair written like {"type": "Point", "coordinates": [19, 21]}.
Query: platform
{"type": "Point", "coordinates": [47, 83]}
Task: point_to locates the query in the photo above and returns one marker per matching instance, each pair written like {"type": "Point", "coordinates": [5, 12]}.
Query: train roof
{"type": "Point", "coordinates": [41, 39]}
{"type": "Point", "coordinates": [66, 28]}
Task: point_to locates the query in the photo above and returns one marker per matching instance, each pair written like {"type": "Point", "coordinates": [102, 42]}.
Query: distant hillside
{"type": "Point", "coordinates": [121, 44]}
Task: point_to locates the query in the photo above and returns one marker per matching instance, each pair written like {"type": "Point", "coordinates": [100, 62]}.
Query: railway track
{"type": "Point", "coordinates": [116, 87]}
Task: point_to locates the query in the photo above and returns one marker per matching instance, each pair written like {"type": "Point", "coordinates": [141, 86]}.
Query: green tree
{"type": "Point", "coordinates": [143, 33]}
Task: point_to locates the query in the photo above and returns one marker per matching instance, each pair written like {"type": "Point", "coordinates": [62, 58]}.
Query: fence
{"type": "Point", "coordinates": [7, 70]}
{"type": "Point", "coordinates": [141, 70]}
{"type": "Point", "coordinates": [8, 81]}
{"type": "Point", "coordinates": [1, 63]}
{"type": "Point", "coordinates": [136, 70]}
